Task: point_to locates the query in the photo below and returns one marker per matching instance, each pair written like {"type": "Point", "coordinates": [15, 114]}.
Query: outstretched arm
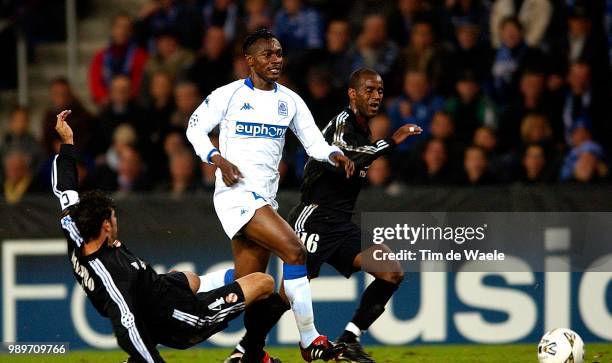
{"type": "Point", "coordinates": [64, 178]}
{"type": "Point", "coordinates": [364, 155]}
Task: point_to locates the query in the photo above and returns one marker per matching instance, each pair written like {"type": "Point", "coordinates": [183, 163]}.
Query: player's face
{"type": "Point", "coordinates": [266, 59]}
{"type": "Point", "coordinates": [369, 95]}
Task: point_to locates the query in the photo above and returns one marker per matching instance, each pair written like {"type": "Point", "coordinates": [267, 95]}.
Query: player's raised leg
{"type": "Point", "coordinates": [270, 231]}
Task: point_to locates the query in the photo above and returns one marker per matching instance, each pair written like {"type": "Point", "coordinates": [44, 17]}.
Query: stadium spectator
{"type": "Point", "coordinates": [442, 127]}
{"type": "Point", "coordinates": [470, 107]}
{"type": "Point", "coordinates": [131, 174]}
{"type": "Point", "coordinates": [534, 166]}
{"type": "Point", "coordinates": [124, 136]}
{"type": "Point", "coordinates": [257, 15]}
{"type": "Point", "coordinates": [532, 98]}
{"type": "Point", "coordinates": [169, 57]}
{"type": "Point", "coordinates": [159, 15]}
{"type": "Point", "coordinates": [424, 54]}
{"type": "Point", "coordinates": [222, 14]}
{"type": "Point", "coordinates": [416, 105]}
{"type": "Point", "coordinates": [321, 98]}
{"type": "Point", "coordinates": [535, 128]}
{"type": "Point", "coordinates": [335, 55]}
{"type": "Point", "coordinates": [187, 100]}
{"type": "Point", "coordinates": [19, 137]}
{"type": "Point", "coordinates": [213, 66]}
{"type": "Point", "coordinates": [122, 56]}
{"type": "Point", "coordinates": [512, 57]}
{"type": "Point", "coordinates": [298, 27]}
{"type": "Point", "coordinates": [121, 109]}
{"type": "Point", "coordinates": [455, 13]}
{"type": "Point", "coordinates": [403, 17]}
{"type": "Point", "coordinates": [432, 168]}
{"type": "Point", "coordinates": [183, 177]}
{"type": "Point", "coordinates": [373, 48]}
{"type": "Point", "coordinates": [584, 43]}
{"type": "Point", "coordinates": [18, 177]}
{"type": "Point", "coordinates": [469, 53]}
{"type": "Point", "coordinates": [533, 16]}
{"type": "Point", "coordinates": [582, 101]}
{"type": "Point", "coordinates": [476, 167]}
{"type": "Point", "coordinates": [581, 140]}
{"type": "Point", "coordinates": [158, 108]}
{"type": "Point", "coordinates": [81, 121]}
{"type": "Point", "coordinates": [379, 173]}
{"type": "Point", "coordinates": [499, 163]}
{"type": "Point", "coordinates": [585, 164]}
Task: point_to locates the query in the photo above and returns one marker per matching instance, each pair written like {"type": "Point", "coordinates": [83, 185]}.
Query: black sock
{"type": "Point", "coordinates": [372, 305]}
{"type": "Point", "coordinates": [259, 318]}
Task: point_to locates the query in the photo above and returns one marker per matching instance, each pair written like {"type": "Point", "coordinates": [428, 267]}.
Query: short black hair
{"type": "Point", "coordinates": [92, 210]}
{"type": "Point", "coordinates": [355, 77]}
{"type": "Point", "coordinates": [260, 33]}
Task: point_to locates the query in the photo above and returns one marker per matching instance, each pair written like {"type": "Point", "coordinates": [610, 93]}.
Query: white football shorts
{"type": "Point", "coordinates": [235, 206]}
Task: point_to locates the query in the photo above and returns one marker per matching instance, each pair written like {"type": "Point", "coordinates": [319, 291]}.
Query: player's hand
{"type": "Point", "coordinates": [230, 173]}
{"type": "Point", "coordinates": [341, 161]}
{"type": "Point", "coordinates": [404, 132]}
{"type": "Point", "coordinates": [63, 129]}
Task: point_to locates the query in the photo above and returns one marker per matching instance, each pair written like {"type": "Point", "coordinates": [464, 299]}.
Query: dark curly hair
{"type": "Point", "coordinates": [92, 210]}
{"type": "Point", "coordinates": [261, 33]}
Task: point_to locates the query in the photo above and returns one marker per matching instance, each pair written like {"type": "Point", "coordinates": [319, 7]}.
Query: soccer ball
{"type": "Point", "coordinates": [561, 346]}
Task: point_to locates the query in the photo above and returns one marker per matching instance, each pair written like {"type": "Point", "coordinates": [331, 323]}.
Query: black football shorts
{"type": "Point", "coordinates": [328, 236]}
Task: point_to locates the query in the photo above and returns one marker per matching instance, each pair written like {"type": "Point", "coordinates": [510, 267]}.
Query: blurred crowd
{"type": "Point", "coordinates": [506, 91]}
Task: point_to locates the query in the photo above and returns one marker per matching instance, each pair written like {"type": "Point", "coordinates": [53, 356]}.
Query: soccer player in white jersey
{"type": "Point", "coordinates": [253, 115]}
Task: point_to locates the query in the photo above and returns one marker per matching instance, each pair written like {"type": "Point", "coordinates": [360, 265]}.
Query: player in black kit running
{"type": "Point", "coordinates": [145, 308]}
{"type": "Point", "coordinates": [323, 218]}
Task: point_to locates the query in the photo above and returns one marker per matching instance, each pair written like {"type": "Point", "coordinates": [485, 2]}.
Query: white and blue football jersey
{"type": "Point", "coordinates": [252, 125]}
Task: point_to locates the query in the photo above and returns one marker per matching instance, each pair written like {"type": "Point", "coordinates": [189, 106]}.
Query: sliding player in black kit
{"type": "Point", "coordinates": [145, 308]}
{"type": "Point", "coordinates": [323, 218]}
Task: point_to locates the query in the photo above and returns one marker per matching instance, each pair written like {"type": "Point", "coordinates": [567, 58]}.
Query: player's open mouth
{"type": "Point", "coordinates": [374, 106]}
{"type": "Point", "coordinates": [274, 70]}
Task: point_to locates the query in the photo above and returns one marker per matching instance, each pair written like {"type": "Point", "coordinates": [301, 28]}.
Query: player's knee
{"type": "Point", "coordinates": [194, 281]}
{"type": "Point", "coordinates": [394, 277]}
{"type": "Point", "coordinates": [297, 255]}
{"type": "Point", "coordinates": [265, 283]}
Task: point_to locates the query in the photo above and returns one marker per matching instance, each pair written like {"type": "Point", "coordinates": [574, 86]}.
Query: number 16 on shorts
{"type": "Point", "coordinates": [310, 240]}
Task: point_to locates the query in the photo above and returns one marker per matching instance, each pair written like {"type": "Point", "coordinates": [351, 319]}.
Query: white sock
{"type": "Point", "coordinates": [216, 279]}
{"type": "Point", "coordinates": [353, 329]}
{"type": "Point", "coordinates": [299, 295]}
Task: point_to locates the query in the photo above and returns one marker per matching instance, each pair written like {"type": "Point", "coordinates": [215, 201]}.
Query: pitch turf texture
{"type": "Point", "coordinates": [430, 354]}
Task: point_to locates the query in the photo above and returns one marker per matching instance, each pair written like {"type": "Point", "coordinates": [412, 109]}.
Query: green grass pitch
{"type": "Point", "coordinates": [522, 353]}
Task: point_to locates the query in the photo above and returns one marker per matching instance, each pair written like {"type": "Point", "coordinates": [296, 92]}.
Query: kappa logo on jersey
{"type": "Point", "coordinates": [257, 196]}
{"type": "Point", "coordinates": [260, 130]}
{"type": "Point", "coordinates": [282, 108]}
{"type": "Point", "coordinates": [247, 106]}
{"type": "Point", "coordinates": [216, 305]}
{"type": "Point", "coordinates": [243, 211]}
